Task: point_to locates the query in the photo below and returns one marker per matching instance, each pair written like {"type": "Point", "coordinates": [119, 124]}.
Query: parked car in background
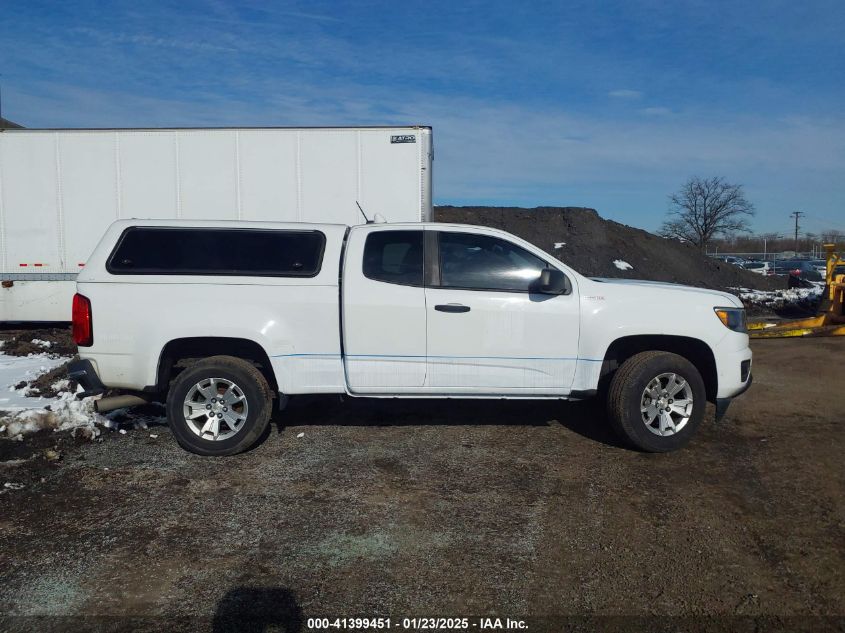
{"type": "Point", "coordinates": [730, 259]}
{"type": "Point", "coordinates": [761, 268]}
{"type": "Point", "coordinates": [799, 268]}
{"type": "Point", "coordinates": [820, 265]}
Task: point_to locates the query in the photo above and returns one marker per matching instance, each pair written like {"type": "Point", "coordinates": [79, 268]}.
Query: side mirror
{"type": "Point", "coordinates": [554, 282]}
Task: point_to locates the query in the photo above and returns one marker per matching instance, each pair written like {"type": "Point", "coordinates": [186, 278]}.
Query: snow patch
{"type": "Point", "coordinates": [40, 343]}
{"type": "Point", "coordinates": [779, 299]}
{"type": "Point", "coordinates": [621, 264]}
{"type": "Point", "coordinates": [27, 415]}
{"type": "Point", "coordinates": [17, 369]}
{"type": "Point", "coordinates": [65, 413]}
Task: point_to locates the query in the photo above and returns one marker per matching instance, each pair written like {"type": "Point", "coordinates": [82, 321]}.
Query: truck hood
{"type": "Point", "coordinates": [716, 296]}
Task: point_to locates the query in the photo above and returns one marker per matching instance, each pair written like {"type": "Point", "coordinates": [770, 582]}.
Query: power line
{"type": "Point", "coordinates": [823, 221]}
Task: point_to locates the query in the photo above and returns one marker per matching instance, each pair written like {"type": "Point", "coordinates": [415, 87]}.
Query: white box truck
{"type": "Point", "coordinates": [61, 189]}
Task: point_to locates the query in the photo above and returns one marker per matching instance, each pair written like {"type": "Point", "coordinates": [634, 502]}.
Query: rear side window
{"type": "Point", "coordinates": [394, 257]}
{"type": "Point", "coordinates": [481, 262]}
{"type": "Point", "coordinates": [217, 251]}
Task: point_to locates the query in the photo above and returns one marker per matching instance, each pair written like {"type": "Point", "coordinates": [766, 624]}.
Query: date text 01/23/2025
{"type": "Point", "coordinates": [416, 624]}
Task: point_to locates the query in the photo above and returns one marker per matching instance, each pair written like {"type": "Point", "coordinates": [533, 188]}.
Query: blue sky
{"type": "Point", "coordinates": [603, 104]}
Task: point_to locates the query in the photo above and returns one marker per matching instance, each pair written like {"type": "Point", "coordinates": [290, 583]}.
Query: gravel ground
{"type": "Point", "coordinates": [423, 508]}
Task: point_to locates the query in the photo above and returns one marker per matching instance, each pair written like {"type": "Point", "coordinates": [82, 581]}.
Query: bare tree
{"type": "Point", "coordinates": [705, 208]}
{"type": "Point", "coordinates": [833, 236]}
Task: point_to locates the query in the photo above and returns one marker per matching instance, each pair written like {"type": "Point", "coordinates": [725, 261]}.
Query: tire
{"type": "Point", "coordinates": [241, 394]}
{"type": "Point", "coordinates": [630, 407]}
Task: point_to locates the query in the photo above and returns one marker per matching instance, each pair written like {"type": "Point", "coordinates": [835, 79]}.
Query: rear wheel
{"type": "Point", "coordinates": [656, 401]}
{"type": "Point", "coordinates": [219, 406]}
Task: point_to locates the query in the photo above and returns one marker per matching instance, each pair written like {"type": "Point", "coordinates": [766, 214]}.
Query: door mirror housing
{"type": "Point", "coordinates": [553, 282]}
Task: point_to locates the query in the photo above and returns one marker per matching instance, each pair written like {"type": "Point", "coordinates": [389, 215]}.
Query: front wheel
{"type": "Point", "coordinates": [219, 406]}
{"type": "Point", "coordinates": [656, 401]}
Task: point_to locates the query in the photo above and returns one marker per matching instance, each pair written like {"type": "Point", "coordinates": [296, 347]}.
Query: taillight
{"type": "Point", "coordinates": [83, 328]}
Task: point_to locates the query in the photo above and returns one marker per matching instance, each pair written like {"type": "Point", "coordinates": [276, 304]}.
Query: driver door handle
{"type": "Point", "coordinates": [451, 307]}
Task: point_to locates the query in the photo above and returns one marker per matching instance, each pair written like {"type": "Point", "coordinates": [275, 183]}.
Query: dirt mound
{"type": "Point", "coordinates": [54, 341]}
{"type": "Point", "coordinates": [53, 382]}
{"type": "Point", "coordinates": [591, 244]}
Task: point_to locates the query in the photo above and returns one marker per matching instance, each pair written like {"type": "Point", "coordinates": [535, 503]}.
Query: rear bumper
{"type": "Point", "coordinates": [83, 372]}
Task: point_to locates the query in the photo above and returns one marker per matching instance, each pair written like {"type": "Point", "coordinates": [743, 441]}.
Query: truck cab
{"type": "Point", "coordinates": [456, 310]}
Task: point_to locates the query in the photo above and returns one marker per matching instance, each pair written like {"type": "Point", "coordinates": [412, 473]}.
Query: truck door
{"type": "Point", "coordinates": [383, 307]}
{"type": "Point", "coordinates": [488, 332]}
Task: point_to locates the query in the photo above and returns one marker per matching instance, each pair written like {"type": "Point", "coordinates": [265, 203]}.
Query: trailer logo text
{"type": "Point", "coordinates": [403, 138]}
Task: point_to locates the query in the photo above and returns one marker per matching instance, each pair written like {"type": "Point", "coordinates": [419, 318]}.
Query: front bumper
{"type": "Point", "coordinates": [722, 404]}
{"type": "Point", "coordinates": [733, 364]}
{"type": "Point", "coordinates": [83, 372]}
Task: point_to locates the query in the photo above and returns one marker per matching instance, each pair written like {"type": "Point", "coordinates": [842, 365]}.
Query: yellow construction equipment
{"type": "Point", "coordinates": [830, 320]}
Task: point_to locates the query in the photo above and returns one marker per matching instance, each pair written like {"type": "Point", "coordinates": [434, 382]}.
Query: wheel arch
{"type": "Point", "coordinates": [180, 352]}
{"type": "Point", "coordinates": [694, 350]}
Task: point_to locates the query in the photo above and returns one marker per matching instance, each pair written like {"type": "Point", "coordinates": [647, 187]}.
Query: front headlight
{"type": "Point", "coordinates": [733, 318]}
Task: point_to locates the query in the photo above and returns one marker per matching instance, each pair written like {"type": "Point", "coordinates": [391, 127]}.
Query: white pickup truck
{"type": "Point", "coordinates": [225, 316]}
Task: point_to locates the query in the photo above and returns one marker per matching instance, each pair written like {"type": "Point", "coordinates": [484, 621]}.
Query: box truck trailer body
{"type": "Point", "coordinates": [60, 189]}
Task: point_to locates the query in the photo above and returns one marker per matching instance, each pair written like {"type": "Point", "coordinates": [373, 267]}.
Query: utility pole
{"type": "Point", "coordinates": [796, 215]}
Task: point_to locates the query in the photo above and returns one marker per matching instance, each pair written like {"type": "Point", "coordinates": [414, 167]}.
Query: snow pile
{"type": "Point", "coordinates": [65, 413]}
{"type": "Point", "coordinates": [24, 415]}
{"type": "Point", "coordinates": [15, 370]}
{"type": "Point", "coordinates": [40, 343]}
{"type": "Point", "coordinates": [779, 299]}
{"type": "Point", "coordinates": [621, 264]}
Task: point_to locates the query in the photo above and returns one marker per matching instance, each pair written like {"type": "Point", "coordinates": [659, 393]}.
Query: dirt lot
{"type": "Point", "coordinates": [419, 508]}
